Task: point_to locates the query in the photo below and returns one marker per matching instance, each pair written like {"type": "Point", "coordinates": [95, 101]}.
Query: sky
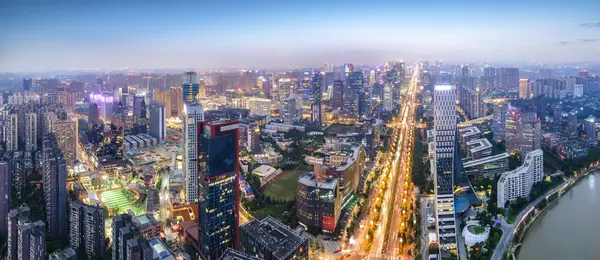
{"type": "Point", "coordinates": [45, 35]}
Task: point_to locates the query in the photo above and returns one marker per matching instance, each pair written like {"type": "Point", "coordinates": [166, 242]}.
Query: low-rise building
{"type": "Point", "coordinates": [518, 182]}
{"type": "Point", "coordinates": [486, 167]}
{"type": "Point", "coordinates": [478, 148]}
{"type": "Point", "coordinates": [269, 239]}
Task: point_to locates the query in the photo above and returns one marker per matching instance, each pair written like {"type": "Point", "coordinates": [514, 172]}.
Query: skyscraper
{"type": "Point", "coordinates": [30, 131]}
{"type": "Point", "coordinates": [524, 88]}
{"type": "Point", "coordinates": [337, 95]}
{"type": "Point", "coordinates": [11, 132]}
{"type": "Point", "coordinates": [218, 204]}
{"type": "Point", "coordinates": [31, 238]}
{"type": "Point", "coordinates": [509, 78]}
{"type": "Point", "coordinates": [589, 127]}
{"type": "Point", "coordinates": [13, 229]}
{"type": "Point", "coordinates": [5, 196]}
{"type": "Point", "coordinates": [317, 93]}
{"type": "Point", "coordinates": [351, 97]}
{"type": "Point", "coordinates": [158, 121]}
{"type": "Point", "coordinates": [55, 186]}
{"type": "Point", "coordinates": [193, 113]}
{"type": "Point", "coordinates": [289, 110]}
{"type": "Point", "coordinates": [522, 130]}
{"type": "Point", "coordinates": [190, 86]}
{"type": "Point", "coordinates": [445, 139]}
{"type": "Point", "coordinates": [86, 232]}
{"type": "Point", "coordinates": [61, 124]}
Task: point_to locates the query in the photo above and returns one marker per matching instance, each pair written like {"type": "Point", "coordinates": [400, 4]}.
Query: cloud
{"type": "Point", "coordinates": [590, 25]}
{"type": "Point", "coordinates": [565, 43]}
{"type": "Point", "coordinates": [588, 40]}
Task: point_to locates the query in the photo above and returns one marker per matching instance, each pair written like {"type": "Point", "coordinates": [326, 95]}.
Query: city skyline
{"type": "Point", "coordinates": [110, 35]}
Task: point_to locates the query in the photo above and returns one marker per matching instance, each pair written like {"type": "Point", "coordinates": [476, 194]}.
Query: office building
{"type": "Point", "coordinates": [478, 148]}
{"type": "Point", "coordinates": [509, 78]}
{"type": "Point", "coordinates": [337, 95]}
{"type": "Point", "coordinates": [55, 187]}
{"type": "Point", "coordinates": [471, 100]}
{"type": "Point", "coordinates": [177, 101]}
{"type": "Point", "coordinates": [355, 84]}
{"type": "Point", "coordinates": [468, 134]}
{"type": "Point", "coordinates": [486, 167]}
{"type": "Point", "coordinates": [317, 96]}
{"type": "Point", "coordinates": [65, 128]}
{"type": "Point", "coordinates": [193, 113]}
{"type": "Point", "coordinates": [190, 87]}
{"type": "Point", "coordinates": [284, 88]}
{"type": "Point", "coordinates": [590, 130]}
{"type": "Point", "coordinates": [11, 132]}
{"type": "Point", "coordinates": [289, 110]}
{"type": "Point", "coordinates": [86, 232]}
{"type": "Point", "coordinates": [524, 89]}
{"type": "Point", "coordinates": [66, 254]}
{"type": "Point", "coordinates": [259, 106]}
{"type": "Point", "coordinates": [445, 150]}
{"type": "Point", "coordinates": [218, 204]}
{"type": "Point", "coordinates": [105, 105]}
{"type": "Point", "coordinates": [232, 254]}
{"type": "Point", "coordinates": [158, 121]}
{"type": "Point", "coordinates": [522, 129]}
{"type": "Point", "coordinates": [518, 182]}
{"type": "Point", "coordinates": [31, 131]}
{"type": "Point", "coordinates": [5, 196]}
{"type": "Point", "coordinates": [166, 97]}
{"type": "Point", "coordinates": [318, 203]}
{"type": "Point", "coordinates": [269, 239]}
{"type": "Point", "coordinates": [254, 138]}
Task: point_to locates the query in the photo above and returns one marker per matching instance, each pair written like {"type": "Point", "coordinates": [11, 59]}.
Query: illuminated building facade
{"type": "Point", "coordinates": [218, 203]}
{"type": "Point", "coordinates": [190, 86]}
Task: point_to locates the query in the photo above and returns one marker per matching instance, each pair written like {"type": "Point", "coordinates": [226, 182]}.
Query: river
{"type": "Point", "coordinates": [570, 229]}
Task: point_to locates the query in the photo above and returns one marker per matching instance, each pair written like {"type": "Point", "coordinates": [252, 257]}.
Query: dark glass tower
{"type": "Point", "coordinates": [351, 97]}
{"type": "Point", "coordinates": [218, 200]}
{"type": "Point", "coordinates": [317, 84]}
{"type": "Point", "coordinates": [190, 87]}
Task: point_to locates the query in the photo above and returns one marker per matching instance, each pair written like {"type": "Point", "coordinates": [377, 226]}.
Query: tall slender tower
{"type": "Point", "coordinates": [193, 113]}
{"type": "Point", "coordinates": [55, 186]}
{"type": "Point", "coordinates": [524, 88]}
{"type": "Point", "coordinates": [445, 138]}
{"type": "Point", "coordinates": [218, 204]}
{"type": "Point", "coordinates": [317, 93]}
{"type": "Point", "coordinates": [190, 86]}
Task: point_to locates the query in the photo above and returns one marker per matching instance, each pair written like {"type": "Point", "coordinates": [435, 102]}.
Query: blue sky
{"type": "Point", "coordinates": [52, 35]}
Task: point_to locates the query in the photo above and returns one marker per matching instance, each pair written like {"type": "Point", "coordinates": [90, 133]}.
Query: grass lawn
{"type": "Point", "coordinates": [274, 210]}
{"type": "Point", "coordinates": [284, 187]}
{"type": "Point", "coordinates": [478, 229]}
{"type": "Point", "coordinates": [511, 216]}
{"type": "Point", "coordinates": [338, 128]}
{"type": "Point", "coordinates": [116, 200]}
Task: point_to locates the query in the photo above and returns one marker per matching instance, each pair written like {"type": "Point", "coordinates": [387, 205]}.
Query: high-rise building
{"type": "Point", "coordinates": [31, 131]}
{"type": "Point", "coordinates": [86, 232]}
{"type": "Point", "coordinates": [259, 106]}
{"type": "Point", "coordinates": [518, 182]}
{"type": "Point", "coordinates": [218, 203]}
{"type": "Point", "coordinates": [471, 101]}
{"type": "Point", "coordinates": [589, 127]}
{"type": "Point", "coordinates": [55, 186]}
{"type": "Point", "coordinates": [11, 132]}
{"type": "Point", "coordinates": [31, 239]}
{"type": "Point", "coordinates": [284, 88]}
{"type": "Point", "coordinates": [337, 95]}
{"type": "Point", "coordinates": [387, 96]}
{"type": "Point", "coordinates": [355, 86]}
{"type": "Point", "coordinates": [193, 113]}
{"type": "Point", "coordinates": [509, 78]}
{"type": "Point", "coordinates": [27, 84]}
{"type": "Point", "coordinates": [254, 138]}
{"type": "Point", "coordinates": [121, 232]}
{"type": "Point", "coordinates": [522, 130]}
{"type": "Point", "coordinates": [524, 88]}
{"type": "Point", "coordinates": [317, 96]}
{"type": "Point", "coordinates": [64, 127]}
{"type": "Point", "coordinates": [289, 110]}
{"type": "Point", "coordinates": [177, 101]}
{"type": "Point", "coordinates": [158, 121]}
{"type": "Point", "coordinates": [318, 202]}
{"type": "Point", "coordinates": [166, 98]}
{"type": "Point", "coordinates": [271, 240]}
{"type": "Point", "coordinates": [5, 196]}
{"type": "Point", "coordinates": [445, 149]}
{"type": "Point", "coordinates": [190, 86]}
{"type": "Point", "coordinates": [13, 230]}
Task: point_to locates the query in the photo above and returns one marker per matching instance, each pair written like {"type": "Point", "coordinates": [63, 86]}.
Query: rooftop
{"type": "Point", "coordinates": [272, 234]}
{"type": "Point", "coordinates": [469, 131]}
{"type": "Point", "coordinates": [308, 179]}
{"type": "Point", "coordinates": [160, 250]}
{"type": "Point", "coordinates": [485, 160]}
{"type": "Point", "coordinates": [479, 145]}
{"type": "Point", "coordinates": [231, 254]}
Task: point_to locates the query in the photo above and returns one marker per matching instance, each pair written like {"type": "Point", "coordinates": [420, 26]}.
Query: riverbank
{"type": "Point", "coordinates": [539, 209]}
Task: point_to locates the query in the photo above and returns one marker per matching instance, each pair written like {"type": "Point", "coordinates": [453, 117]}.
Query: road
{"type": "Point", "coordinates": [395, 194]}
{"type": "Point", "coordinates": [403, 194]}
